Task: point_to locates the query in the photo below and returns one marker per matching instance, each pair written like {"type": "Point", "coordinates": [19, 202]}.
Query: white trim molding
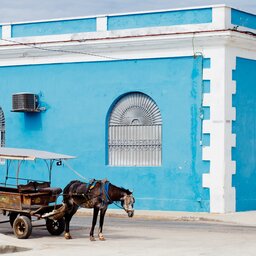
{"type": "Point", "coordinates": [222, 113]}
{"type": "Point", "coordinates": [81, 47]}
{"type": "Point", "coordinates": [219, 179]}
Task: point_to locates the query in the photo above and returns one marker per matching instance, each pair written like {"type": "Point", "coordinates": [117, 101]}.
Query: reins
{"type": "Point", "coordinates": [73, 170]}
{"type": "Point", "coordinates": [107, 195]}
{"type": "Point", "coordinates": [84, 195]}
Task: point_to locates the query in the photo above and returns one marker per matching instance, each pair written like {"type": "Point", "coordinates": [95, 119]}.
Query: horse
{"type": "Point", "coordinates": [97, 194]}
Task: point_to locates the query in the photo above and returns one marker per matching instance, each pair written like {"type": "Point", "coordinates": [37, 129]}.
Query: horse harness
{"type": "Point", "coordinates": [103, 195]}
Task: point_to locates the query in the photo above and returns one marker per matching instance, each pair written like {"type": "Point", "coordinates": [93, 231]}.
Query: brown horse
{"type": "Point", "coordinates": [97, 195]}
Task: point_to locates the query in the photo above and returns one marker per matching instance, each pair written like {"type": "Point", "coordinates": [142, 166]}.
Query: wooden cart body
{"type": "Point", "coordinates": [34, 199]}
{"type": "Point", "coordinates": [11, 199]}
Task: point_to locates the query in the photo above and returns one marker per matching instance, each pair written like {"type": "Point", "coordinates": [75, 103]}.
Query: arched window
{"type": "Point", "coordinates": [2, 128]}
{"type": "Point", "coordinates": [135, 132]}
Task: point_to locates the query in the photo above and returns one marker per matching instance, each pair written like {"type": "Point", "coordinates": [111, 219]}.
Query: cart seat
{"type": "Point", "coordinates": [34, 186]}
{"type": "Point", "coordinates": [50, 190]}
{"type": "Point", "coordinates": [30, 187]}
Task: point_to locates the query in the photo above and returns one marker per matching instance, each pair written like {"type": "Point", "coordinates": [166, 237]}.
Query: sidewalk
{"type": "Point", "coordinates": [247, 218]}
{"type": "Point", "coordinates": [164, 235]}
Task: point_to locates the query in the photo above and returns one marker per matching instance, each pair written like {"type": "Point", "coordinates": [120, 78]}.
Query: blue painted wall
{"type": "Point", "coordinates": [245, 129]}
{"type": "Point", "coordinates": [78, 97]}
{"type": "Point", "coordinates": [157, 19]}
{"type": "Point", "coordinates": [54, 27]}
{"type": "Point", "coordinates": [243, 19]}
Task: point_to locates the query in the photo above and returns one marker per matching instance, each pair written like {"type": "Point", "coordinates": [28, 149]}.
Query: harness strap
{"type": "Point", "coordinates": [104, 189]}
{"type": "Point", "coordinates": [105, 186]}
{"type": "Point", "coordinates": [104, 192]}
{"type": "Point", "coordinates": [91, 185]}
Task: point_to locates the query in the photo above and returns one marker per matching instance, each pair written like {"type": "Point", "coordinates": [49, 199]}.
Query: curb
{"type": "Point", "coordinates": [237, 218]}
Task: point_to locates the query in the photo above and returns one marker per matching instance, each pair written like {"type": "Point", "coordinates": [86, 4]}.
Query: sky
{"type": "Point", "coordinates": [28, 10]}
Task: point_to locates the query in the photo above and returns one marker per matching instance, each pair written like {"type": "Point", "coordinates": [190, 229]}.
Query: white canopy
{"type": "Point", "coordinates": [30, 154]}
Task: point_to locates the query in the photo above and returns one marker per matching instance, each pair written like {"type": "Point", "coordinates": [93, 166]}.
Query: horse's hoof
{"type": "Point", "coordinates": [92, 238]}
{"type": "Point", "coordinates": [67, 236]}
{"type": "Point", "coordinates": [101, 237]}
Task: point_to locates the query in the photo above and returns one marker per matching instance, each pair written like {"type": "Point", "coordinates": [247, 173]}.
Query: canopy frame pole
{"type": "Point", "coordinates": [49, 167]}
{"type": "Point", "coordinates": [8, 164]}
{"type": "Point", "coordinates": [18, 171]}
{"type": "Point", "coordinates": [50, 170]}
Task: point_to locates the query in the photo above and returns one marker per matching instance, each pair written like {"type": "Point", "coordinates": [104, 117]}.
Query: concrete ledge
{"type": "Point", "coordinates": [241, 218]}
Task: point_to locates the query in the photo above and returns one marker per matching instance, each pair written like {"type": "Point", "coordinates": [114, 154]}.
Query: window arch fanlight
{"type": "Point", "coordinates": [135, 132]}
{"type": "Point", "coordinates": [2, 128]}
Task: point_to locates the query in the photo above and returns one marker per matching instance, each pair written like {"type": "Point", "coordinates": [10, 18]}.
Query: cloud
{"type": "Point", "coordinates": [21, 10]}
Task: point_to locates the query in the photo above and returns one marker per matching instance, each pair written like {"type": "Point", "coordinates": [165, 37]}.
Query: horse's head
{"type": "Point", "coordinates": [127, 202]}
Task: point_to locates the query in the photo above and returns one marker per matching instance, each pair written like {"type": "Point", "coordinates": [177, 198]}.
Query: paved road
{"type": "Point", "coordinates": [139, 237]}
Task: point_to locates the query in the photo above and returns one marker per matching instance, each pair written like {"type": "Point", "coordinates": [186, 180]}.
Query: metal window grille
{"type": "Point", "coordinates": [2, 128]}
{"type": "Point", "coordinates": [135, 132]}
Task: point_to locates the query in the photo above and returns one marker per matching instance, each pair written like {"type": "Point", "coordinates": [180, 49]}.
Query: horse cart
{"type": "Point", "coordinates": [24, 199]}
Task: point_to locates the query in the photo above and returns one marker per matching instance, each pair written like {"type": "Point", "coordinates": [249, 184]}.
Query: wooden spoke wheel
{"type": "Point", "coordinates": [55, 227]}
{"type": "Point", "coordinates": [22, 227]}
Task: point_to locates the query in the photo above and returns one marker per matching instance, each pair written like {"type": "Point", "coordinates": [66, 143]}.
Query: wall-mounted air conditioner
{"type": "Point", "coordinates": [25, 102]}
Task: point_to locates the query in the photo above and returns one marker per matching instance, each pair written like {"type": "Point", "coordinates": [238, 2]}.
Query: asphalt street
{"type": "Point", "coordinates": [130, 236]}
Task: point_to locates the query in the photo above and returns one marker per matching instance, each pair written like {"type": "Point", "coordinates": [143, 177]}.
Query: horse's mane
{"type": "Point", "coordinates": [66, 189]}
{"type": "Point", "coordinates": [127, 191]}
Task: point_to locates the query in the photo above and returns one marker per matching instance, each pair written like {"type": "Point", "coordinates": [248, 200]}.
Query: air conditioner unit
{"type": "Point", "coordinates": [25, 102]}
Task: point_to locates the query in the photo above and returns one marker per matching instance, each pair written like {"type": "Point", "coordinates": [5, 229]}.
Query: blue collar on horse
{"type": "Point", "coordinates": [104, 187]}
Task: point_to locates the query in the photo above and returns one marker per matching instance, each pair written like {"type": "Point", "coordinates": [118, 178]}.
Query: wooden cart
{"type": "Point", "coordinates": [29, 198]}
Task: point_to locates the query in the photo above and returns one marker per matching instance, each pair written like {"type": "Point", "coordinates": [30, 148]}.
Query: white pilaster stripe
{"type": "Point", "coordinates": [221, 17]}
{"type": "Point", "coordinates": [6, 31]}
{"type": "Point", "coordinates": [207, 155]}
{"type": "Point", "coordinates": [230, 114]}
{"type": "Point", "coordinates": [206, 180]}
{"type": "Point", "coordinates": [233, 113]}
{"type": "Point", "coordinates": [207, 74]}
{"type": "Point", "coordinates": [101, 24]}
{"type": "Point", "coordinates": [231, 165]}
{"type": "Point", "coordinates": [233, 140]}
{"type": "Point", "coordinates": [207, 100]}
{"type": "Point", "coordinates": [233, 87]}
{"type": "Point", "coordinates": [219, 179]}
{"type": "Point", "coordinates": [207, 126]}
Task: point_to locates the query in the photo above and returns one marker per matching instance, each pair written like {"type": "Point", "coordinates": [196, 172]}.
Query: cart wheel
{"type": "Point", "coordinates": [12, 217]}
{"type": "Point", "coordinates": [55, 227]}
{"type": "Point", "coordinates": [22, 227]}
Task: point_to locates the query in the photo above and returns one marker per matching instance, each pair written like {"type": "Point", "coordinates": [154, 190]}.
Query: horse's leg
{"type": "Point", "coordinates": [68, 216]}
{"type": "Point", "coordinates": [94, 221]}
{"type": "Point", "coordinates": [102, 215]}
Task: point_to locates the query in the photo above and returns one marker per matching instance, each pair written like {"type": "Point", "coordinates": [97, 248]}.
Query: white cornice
{"type": "Point", "coordinates": [115, 48]}
{"type": "Point", "coordinates": [100, 35]}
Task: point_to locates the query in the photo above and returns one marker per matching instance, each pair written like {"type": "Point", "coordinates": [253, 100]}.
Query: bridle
{"type": "Point", "coordinates": [126, 209]}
